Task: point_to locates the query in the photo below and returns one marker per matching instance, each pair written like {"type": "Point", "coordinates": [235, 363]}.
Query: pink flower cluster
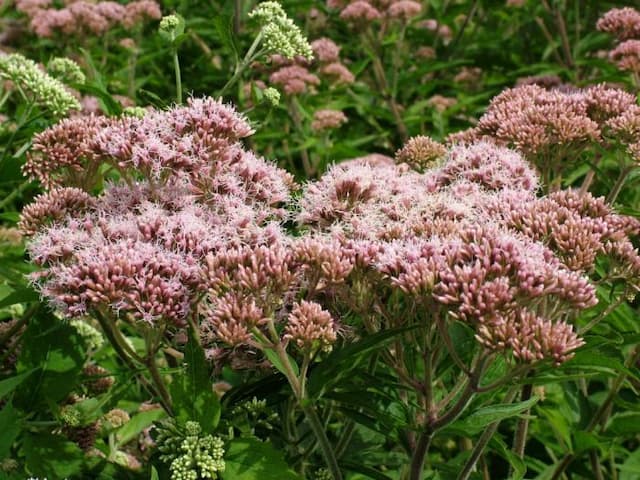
{"type": "Point", "coordinates": [83, 18]}
{"type": "Point", "coordinates": [138, 249]}
{"type": "Point", "coordinates": [195, 226]}
{"type": "Point", "coordinates": [551, 126]}
{"type": "Point", "coordinates": [296, 77]}
{"type": "Point", "coordinates": [624, 23]}
{"type": "Point", "coordinates": [453, 240]}
{"type": "Point", "coordinates": [366, 11]}
{"type": "Point", "coordinates": [327, 119]}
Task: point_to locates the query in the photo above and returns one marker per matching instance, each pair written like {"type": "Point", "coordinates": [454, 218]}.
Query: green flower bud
{"type": "Point", "coordinates": [66, 70]}
{"type": "Point", "coordinates": [92, 337]}
{"type": "Point", "coordinates": [280, 34]}
{"type": "Point", "coordinates": [171, 27]}
{"type": "Point", "coordinates": [272, 96]}
{"type": "Point", "coordinates": [36, 85]}
{"type": "Point", "coordinates": [137, 112]}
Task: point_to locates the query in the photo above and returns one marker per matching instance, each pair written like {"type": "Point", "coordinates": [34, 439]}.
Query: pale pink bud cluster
{"type": "Point", "coordinates": [363, 12]}
{"type": "Point", "coordinates": [327, 119]}
{"type": "Point", "coordinates": [249, 287]}
{"type": "Point", "coordinates": [86, 18]}
{"type": "Point", "coordinates": [297, 76]}
{"type": "Point", "coordinates": [421, 153]}
{"type": "Point", "coordinates": [469, 76]}
{"type": "Point", "coordinates": [310, 327]}
{"type": "Point", "coordinates": [627, 56]}
{"type": "Point", "coordinates": [624, 23]}
{"type": "Point", "coordinates": [441, 103]}
{"type": "Point", "coordinates": [577, 227]}
{"type": "Point", "coordinates": [404, 10]}
{"type": "Point", "coordinates": [294, 79]}
{"type": "Point", "coordinates": [530, 337]}
{"type": "Point", "coordinates": [545, 81]}
{"type": "Point", "coordinates": [543, 123]}
{"type": "Point", "coordinates": [65, 153]}
{"type": "Point", "coordinates": [325, 50]}
{"type": "Point", "coordinates": [327, 54]}
{"type": "Point", "coordinates": [53, 206]}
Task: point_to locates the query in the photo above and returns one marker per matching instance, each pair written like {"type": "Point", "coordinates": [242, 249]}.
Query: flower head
{"type": "Point", "coordinates": [37, 85]}
{"type": "Point", "coordinates": [281, 35]}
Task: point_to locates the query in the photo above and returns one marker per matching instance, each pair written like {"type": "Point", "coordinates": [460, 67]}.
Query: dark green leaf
{"type": "Point", "coordinates": [192, 392]}
{"type": "Point", "coordinates": [10, 384]}
{"type": "Point", "coordinates": [23, 295]}
{"type": "Point", "coordinates": [251, 459]}
{"type": "Point", "coordinates": [495, 413]}
{"type": "Point", "coordinates": [58, 351]}
{"type": "Point", "coordinates": [52, 456]}
{"type": "Point", "coordinates": [138, 422]}
{"type": "Point", "coordinates": [10, 426]}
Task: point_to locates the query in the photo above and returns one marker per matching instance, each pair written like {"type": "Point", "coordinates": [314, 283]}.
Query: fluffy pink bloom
{"type": "Point", "coordinates": [327, 120]}
{"type": "Point", "coordinates": [421, 152]}
{"type": "Point", "coordinates": [404, 10]}
{"type": "Point", "coordinates": [360, 11]}
{"type": "Point", "coordinates": [627, 55]}
{"type": "Point", "coordinates": [140, 249]}
{"type": "Point", "coordinates": [494, 168]}
{"type": "Point", "coordinates": [325, 50]}
{"type": "Point", "coordinates": [294, 79]}
{"type": "Point", "coordinates": [338, 72]}
{"type": "Point", "coordinates": [310, 327]}
{"type": "Point", "coordinates": [624, 23]}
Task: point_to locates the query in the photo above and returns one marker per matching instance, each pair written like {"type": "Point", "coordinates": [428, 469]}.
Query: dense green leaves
{"type": "Point", "coordinates": [192, 392]}
{"type": "Point", "coordinates": [251, 459]}
{"type": "Point", "coordinates": [57, 351]}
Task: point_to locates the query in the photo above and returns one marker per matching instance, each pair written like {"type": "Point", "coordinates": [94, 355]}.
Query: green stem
{"type": "Point", "coordinates": [520, 440]}
{"type": "Point", "coordinates": [22, 121]}
{"type": "Point", "coordinates": [31, 311]}
{"type": "Point", "coordinates": [323, 441]}
{"type": "Point", "coordinates": [312, 417]}
{"type": "Point", "coordinates": [617, 187]}
{"type": "Point", "coordinates": [176, 67]}
{"type": "Point", "coordinates": [14, 193]}
{"type": "Point", "coordinates": [601, 414]}
{"type": "Point", "coordinates": [156, 377]}
{"type": "Point", "coordinates": [419, 456]}
{"type": "Point", "coordinates": [240, 67]}
{"type": "Point", "coordinates": [483, 441]}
